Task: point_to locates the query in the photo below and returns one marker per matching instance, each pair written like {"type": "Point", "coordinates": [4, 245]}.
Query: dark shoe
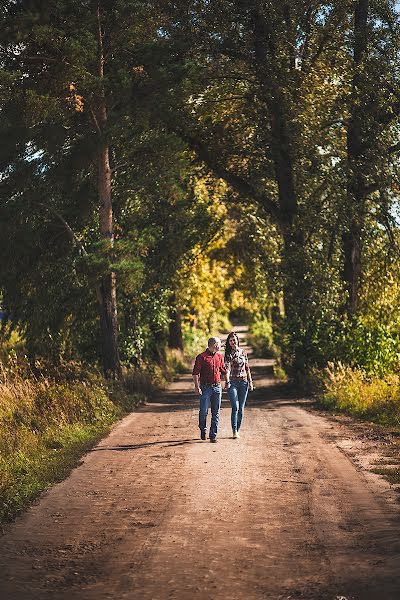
{"type": "Point", "coordinates": [203, 435]}
{"type": "Point", "coordinates": [213, 440]}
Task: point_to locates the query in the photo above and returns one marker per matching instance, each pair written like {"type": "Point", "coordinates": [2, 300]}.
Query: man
{"type": "Point", "coordinates": [207, 382]}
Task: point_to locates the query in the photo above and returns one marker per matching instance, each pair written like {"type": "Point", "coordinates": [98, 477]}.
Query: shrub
{"type": "Point", "coordinates": [261, 338]}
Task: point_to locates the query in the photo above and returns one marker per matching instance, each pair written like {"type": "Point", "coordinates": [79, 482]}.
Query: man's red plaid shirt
{"type": "Point", "coordinates": [209, 366]}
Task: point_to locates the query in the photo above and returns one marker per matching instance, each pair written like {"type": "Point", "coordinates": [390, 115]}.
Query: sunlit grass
{"type": "Point", "coordinates": [46, 424]}
{"type": "Point", "coordinates": [352, 391]}
{"type": "Point", "coordinates": [392, 474]}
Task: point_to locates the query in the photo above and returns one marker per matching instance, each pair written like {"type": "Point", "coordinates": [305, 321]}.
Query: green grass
{"type": "Point", "coordinates": [26, 473]}
{"type": "Point", "coordinates": [48, 423]}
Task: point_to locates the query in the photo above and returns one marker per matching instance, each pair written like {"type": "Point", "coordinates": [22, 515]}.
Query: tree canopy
{"type": "Point", "coordinates": [168, 165]}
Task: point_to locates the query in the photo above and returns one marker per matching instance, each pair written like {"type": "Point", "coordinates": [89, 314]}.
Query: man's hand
{"type": "Point", "coordinates": [196, 381]}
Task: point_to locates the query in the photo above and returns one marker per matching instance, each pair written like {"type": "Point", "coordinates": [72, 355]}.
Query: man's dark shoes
{"type": "Point", "coordinates": [213, 440]}
{"type": "Point", "coordinates": [203, 435]}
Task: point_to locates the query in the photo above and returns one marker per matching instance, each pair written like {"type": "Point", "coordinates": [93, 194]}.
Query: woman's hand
{"type": "Point", "coordinates": [251, 386]}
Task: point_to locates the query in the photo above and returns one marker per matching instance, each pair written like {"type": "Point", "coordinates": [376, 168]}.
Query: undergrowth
{"type": "Point", "coordinates": [260, 337]}
{"type": "Point", "coordinates": [352, 391]}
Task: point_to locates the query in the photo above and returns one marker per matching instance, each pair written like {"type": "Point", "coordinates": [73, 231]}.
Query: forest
{"type": "Point", "coordinates": [171, 168]}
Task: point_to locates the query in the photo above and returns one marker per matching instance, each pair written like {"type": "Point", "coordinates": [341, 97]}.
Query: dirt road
{"type": "Point", "coordinates": [155, 513]}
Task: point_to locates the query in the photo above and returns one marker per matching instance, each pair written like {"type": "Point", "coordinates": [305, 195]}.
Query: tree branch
{"type": "Point", "coordinates": [94, 119]}
{"type": "Point", "coordinates": [71, 234]}
{"type": "Point", "coordinates": [124, 164]}
{"type": "Point", "coordinates": [242, 186]}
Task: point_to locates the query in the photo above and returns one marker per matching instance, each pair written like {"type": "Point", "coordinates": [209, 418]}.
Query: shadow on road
{"type": "Point", "coordinates": [162, 443]}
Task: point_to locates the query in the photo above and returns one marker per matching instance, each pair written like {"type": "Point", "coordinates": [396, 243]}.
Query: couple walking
{"type": "Point", "coordinates": [207, 370]}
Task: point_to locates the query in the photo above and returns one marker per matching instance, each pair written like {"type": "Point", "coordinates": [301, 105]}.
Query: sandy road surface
{"type": "Point", "coordinates": [155, 513]}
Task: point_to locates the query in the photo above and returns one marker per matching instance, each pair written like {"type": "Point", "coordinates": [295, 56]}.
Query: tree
{"type": "Point", "coordinates": [239, 109]}
{"type": "Point", "coordinates": [369, 140]}
{"type": "Point", "coordinates": [69, 66]}
{"type": "Point", "coordinates": [262, 94]}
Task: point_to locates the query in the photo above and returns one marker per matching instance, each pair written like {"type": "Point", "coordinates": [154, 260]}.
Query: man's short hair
{"type": "Point", "coordinates": [212, 341]}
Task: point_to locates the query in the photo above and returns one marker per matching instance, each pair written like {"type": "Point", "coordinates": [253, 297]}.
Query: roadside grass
{"type": "Point", "coordinates": [389, 465]}
{"type": "Point", "coordinates": [46, 426]}
{"type": "Point", "coordinates": [177, 364]}
{"type": "Point", "coordinates": [31, 470]}
{"type": "Point", "coordinates": [48, 423]}
{"type": "Point", "coordinates": [340, 388]}
{"type": "Point", "coordinates": [392, 474]}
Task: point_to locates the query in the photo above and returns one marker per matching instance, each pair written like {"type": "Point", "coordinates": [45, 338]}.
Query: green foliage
{"type": "Point", "coordinates": [373, 347]}
{"type": "Point", "coordinates": [261, 338]}
{"type": "Point", "coordinates": [195, 340]}
{"type": "Point", "coordinates": [211, 114]}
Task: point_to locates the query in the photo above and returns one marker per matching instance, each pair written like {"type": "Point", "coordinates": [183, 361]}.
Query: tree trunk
{"type": "Point", "coordinates": [108, 283]}
{"type": "Point", "coordinates": [351, 241]}
{"type": "Point", "coordinates": [268, 73]}
{"type": "Point", "coordinates": [175, 338]}
{"type": "Point", "coordinates": [296, 286]}
{"type": "Point", "coordinates": [356, 194]}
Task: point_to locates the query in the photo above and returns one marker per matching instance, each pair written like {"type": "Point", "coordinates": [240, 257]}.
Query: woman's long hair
{"type": "Point", "coordinates": [228, 348]}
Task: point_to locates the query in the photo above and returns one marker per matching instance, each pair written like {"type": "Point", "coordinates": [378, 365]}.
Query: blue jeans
{"type": "Point", "coordinates": [237, 393]}
{"type": "Point", "coordinates": [210, 394]}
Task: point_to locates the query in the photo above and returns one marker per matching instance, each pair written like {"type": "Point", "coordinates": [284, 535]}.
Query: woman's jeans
{"type": "Point", "coordinates": [237, 393]}
{"type": "Point", "coordinates": [210, 394]}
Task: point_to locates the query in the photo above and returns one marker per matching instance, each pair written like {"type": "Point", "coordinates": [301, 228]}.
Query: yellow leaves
{"type": "Point", "coordinates": [202, 288]}
{"type": "Point", "coordinates": [138, 70]}
{"type": "Point", "coordinates": [74, 99]}
{"type": "Point", "coordinates": [211, 191]}
{"type": "Point", "coordinates": [79, 103]}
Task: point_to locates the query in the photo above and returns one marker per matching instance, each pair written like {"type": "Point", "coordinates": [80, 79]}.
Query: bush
{"type": "Point", "coordinates": [177, 363]}
{"type": "Point", "coordinates": [261, 338]}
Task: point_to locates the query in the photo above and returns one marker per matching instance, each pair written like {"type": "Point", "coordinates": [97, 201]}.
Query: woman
{"type": "Point", "coordinates": [237, 364]}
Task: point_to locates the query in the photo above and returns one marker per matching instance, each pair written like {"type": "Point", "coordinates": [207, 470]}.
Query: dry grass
{"type": "Point", "coordinates": [392, 474]}
{"type": "Point", "coordinates": [46, 424]}
{"type": "Point", "coordinates": [348, 390]}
